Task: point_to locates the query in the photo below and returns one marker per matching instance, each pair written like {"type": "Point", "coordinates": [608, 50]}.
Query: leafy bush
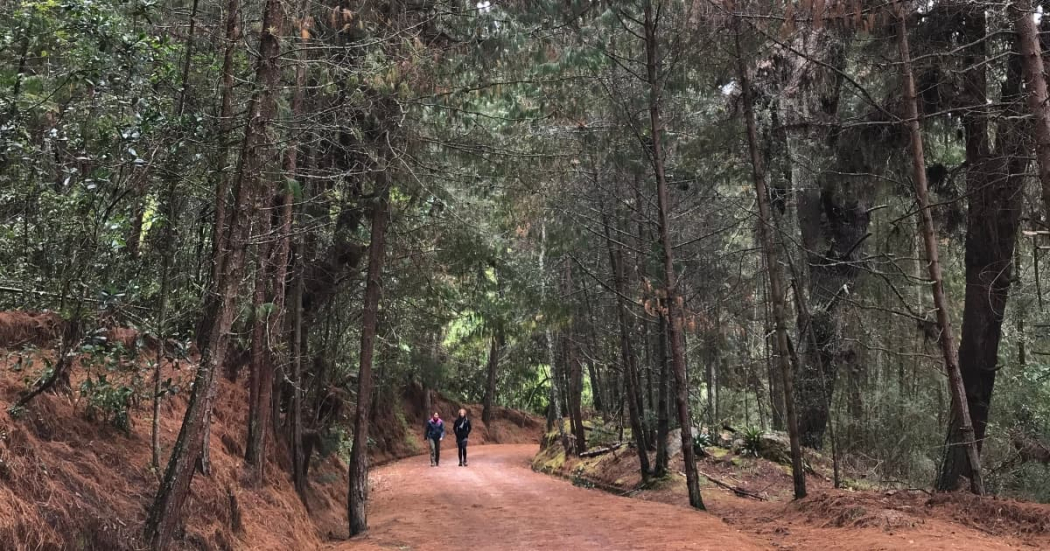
{"type": "Point", "coordinates": [752, 437]}
{"type": "Point", "coordinates": [701, 440]}
{"type": "Point", "coordinates": [108, 401]}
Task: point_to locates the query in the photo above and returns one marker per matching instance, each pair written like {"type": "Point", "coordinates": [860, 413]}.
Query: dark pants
{"type": "Point", "coordinates": [462, 445]}
{"type": "Point", "coordinates": [435, 451]}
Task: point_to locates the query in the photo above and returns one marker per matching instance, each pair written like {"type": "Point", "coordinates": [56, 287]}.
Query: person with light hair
{"type": "Point", "coordinates": [462, 429]}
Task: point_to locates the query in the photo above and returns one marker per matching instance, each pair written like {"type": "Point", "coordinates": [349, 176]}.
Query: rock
{"type": "Point", "coordinates": [674, 443]}
{"type": "Point", "coordinates": [775, 447]}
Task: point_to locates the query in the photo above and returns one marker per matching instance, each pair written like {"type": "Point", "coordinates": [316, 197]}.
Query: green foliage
{"type": "Point", "coordinates": [701, 440]}
{"type": "Point", "coordinates": [108, 401]}
{"type": "Point", "coordinates": [752, 437]}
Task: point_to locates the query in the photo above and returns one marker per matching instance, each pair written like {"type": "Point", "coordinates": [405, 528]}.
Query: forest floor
{"type": "Point", "coordinates": [828, 519]}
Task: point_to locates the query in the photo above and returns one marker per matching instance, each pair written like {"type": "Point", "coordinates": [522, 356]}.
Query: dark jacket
{"type": "Point", "coordinates": [462, 428]}
{"type": "Point", "coordinates": [434, 430]}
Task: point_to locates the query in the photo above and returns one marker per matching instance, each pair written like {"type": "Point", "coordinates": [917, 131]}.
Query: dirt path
{"type": "Point", "coordinates": [498, 503]}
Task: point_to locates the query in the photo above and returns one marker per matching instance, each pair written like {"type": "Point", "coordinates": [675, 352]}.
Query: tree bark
{"type": "Point", "coordinates": [358, 494]}
{"type": "Point", "coordinates": [994, 186]}
{"type": "Point", "coordinates": [929, 235]}
{"type": "Point", "coordinates": [164, 514]}
{"type": "Point", "coordinates": [575, 372]}
{"type": "Point", "coordinates": [299, 459]}
{"type": "Point", "coordinates": [491, 368]}
{"type": "Point", "coordinates": [627, 356]}
{"type": "Point", "coordinates": [260, 357]}
{"type": "Point", "coordinates": [663, 421]}
{"type": "Point", "coordinates": [1035, 84]}
{"type": "Point", "coordinates": [220, 226]}
{"type": "Point", "coordinates": [652, 64]}
{"type": "Point", "coordinates": [776, 278]}
{"type": "Point", "coordinates": [168, 248]}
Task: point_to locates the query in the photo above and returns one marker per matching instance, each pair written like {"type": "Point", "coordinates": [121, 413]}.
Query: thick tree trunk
{"type": "Point", "coordinates": [929, 235]}
{"type": "Point", "coordinates": [272, 275]}
{"type": "Point", "coordinates": [674, 303]}
{"type": "Point", "coordinates": [833, 198]}
{"type": "Point", "coordinates": [164, 514]}
{"type": "Point", "coordinates": [766, 229]}
{"type": "Point", "coordinates": [358, 494]}
{"type": "Point", "coordinates": [260, 358]}
{"type": "Point", "coordinates": [994, 184]}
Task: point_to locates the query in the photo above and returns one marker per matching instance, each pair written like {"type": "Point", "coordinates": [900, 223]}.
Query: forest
{"type": "Point", "coordinates": [237, 236]}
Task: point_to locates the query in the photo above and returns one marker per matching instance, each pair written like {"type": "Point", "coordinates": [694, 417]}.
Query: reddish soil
{"type": "Point", "coordinates": [19, 328]}
{"type": "Point", "coordinates": [843, 520]}
{"type": "Point", "coordinates": [498, 502]}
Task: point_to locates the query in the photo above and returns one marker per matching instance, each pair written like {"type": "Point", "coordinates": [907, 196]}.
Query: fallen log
{"type": "Point", "coordinates": [735, 489]}
{"type": "Point", "coordinates": [602, 451]}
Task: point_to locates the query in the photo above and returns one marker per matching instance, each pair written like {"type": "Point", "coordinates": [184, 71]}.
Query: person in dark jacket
{"type": "Point", "coordinates": [434, 433]}
{"type": "Point", "coordinates": [462, 429]}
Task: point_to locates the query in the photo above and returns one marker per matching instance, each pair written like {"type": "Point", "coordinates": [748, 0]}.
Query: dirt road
{"type": "Point", "coordinates": [498, 503]}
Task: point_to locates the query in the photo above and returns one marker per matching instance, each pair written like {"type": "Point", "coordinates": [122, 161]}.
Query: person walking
{"type": "Point", "coordinates": [434, 433]}
{"type": "Point", "coordinates": [462, 429]}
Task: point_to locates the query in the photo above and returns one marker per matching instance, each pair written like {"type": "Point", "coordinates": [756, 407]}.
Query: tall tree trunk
{"type": "Point", "coordinates": [663, 421]}
{"type": "Point", "coordinates": [168, 247]}
{"type": "Point", "coordinates": [165, 512]}
{"type": "Point", "coordinates": [627, 356]}
{"type": "Point", "coordinates": [1038, 98]}
{"type": "Point", "coordinates": [994, 184]}
{"type": "Point", "coordinates": [597, 388]}
{"type": "Point", "coordinates": [491, 369]}
{"type": "Point", "coordinates": [674, 303]}
{"type": "Point", "coordinates": [220, 225]}
{"type": "Point", "coordinates": [299, 459]}
{"type": "Point", "coordinates": [929, 235]}
{"type": "Point", "coordinates": [575, 371]}
{"type": "Point", "coordinates": [273, 275]}
{"type": "Point", "coordinates": [260, 356]}
{"type": "Point", "coordinates": [828, 162]}
{"type": "Point", "coordinates": [776, 278]}
{"type": "Point", "coordinates": [554, 416]}
{"type": "Point", "coordinates": [358, 494]}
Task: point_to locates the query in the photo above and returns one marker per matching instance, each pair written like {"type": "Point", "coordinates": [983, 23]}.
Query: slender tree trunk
{"type": "Point", "coordinates": [674, 302]}
{"type": "Point", "coordinates": [1038, 98]}
{"type": "Point", "coordinates": [554, 416]}
{"type": "Point", "coordinates": [947, 338]}
{"type": "Point", "coordinates": [299, 466]}
{"type": "Point", "coordinates": [358, 494]}
{"type": "Point", "coordinates": [597, 389]}
{"type": "Point", "coordinates": [575, 372]}
{"type": "Point", "coordinates": [490, 384]}
{"type": "Point", "coordinates": [220, 226]}
{"type": "Point", "coordinates": [168, 247]}
{"type": "Point", "coordinates": [164, 514]}
{"type": "Point", "coordinates": [663, 421]}
{"type": "Point", "coordinates": [776, 280]}
{"type": "Point", "coordinates": [627, 356]}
